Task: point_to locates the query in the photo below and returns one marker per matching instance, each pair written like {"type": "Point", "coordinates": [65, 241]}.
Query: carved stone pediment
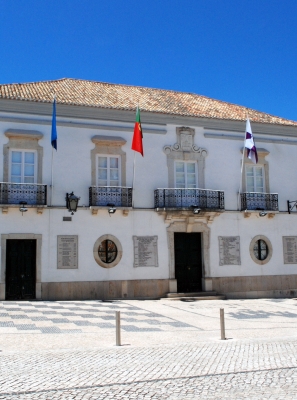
{"type": "Point", "coordinates": [185, 143]}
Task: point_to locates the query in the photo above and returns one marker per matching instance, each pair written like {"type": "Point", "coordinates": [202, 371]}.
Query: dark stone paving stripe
{"type": "Point", "coordinates": [133, 328]}
{"type": "Point", "coordinates": [59, 320]}
{"type": "Point", "coordinates": [26, 327]}
{"type": "Point", "coordinates": [39, 319]}
{"type": "Point", "coordinates": [83, 323]}
{"type": "Point", "coordinates": [49, 329]}
{"type": "Point", "coordinates": [7, 324]}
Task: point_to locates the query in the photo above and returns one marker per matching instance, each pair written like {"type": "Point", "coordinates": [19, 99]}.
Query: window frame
{"type": "Point", "coordinates": [259, 249]}
{"type": "Point", "coordinates": [108, 145]}
{"type": "Point", "coordinates": [96, 253]}
{"type": "Point", "coordinates": [21, 139]}
{"type": "Point", "coordinates": [262, 154]}
{"type": "Point", "coordinates": [106, 251]}
{"type": "Point", "coordinates": [269, 247]}
{"type": "Point", "coordinates": [196, 173]}
{"type": "Point", "coordinates": [108, 156]}
{"type": "Point", "coordinates": [23, 151]}
{"type": "Point", "coordinates": [254, 167]}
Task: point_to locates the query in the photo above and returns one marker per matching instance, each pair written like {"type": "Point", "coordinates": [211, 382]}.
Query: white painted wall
{"type": "Point", "coordinates": [72, 172]}
{"type": "Point", "coordinates": [234, 224]}
{"type": "Point", "coordinates": [89, 228]}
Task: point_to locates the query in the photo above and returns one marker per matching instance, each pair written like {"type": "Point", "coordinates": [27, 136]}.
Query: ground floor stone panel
{"type": "Point", "coordinates": [120, 289]}
{"type": "Point", "coordinates": [253, 287]}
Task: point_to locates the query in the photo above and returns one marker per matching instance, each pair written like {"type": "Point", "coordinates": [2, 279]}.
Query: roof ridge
{"type": "Point", "coordinates": [31, 83]}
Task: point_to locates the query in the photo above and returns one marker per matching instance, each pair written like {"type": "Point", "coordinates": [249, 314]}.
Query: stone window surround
{"type": "Point", "coordinates": [269, 245]}
{"type": "Point", "coordinates": [24, 140]}
{"type": "Point", "coordinates": [108, 145]}
{"type": "Point", "coordinates": [185, 150]}
{"type": "Point", "coordinates": [262, 153]}
{"type": "Point", "coordinates": [199, 227]}
{"type": "Point", "coordinates": [119, 248]}
{"type": "Point", "coordinates": [38, 239]}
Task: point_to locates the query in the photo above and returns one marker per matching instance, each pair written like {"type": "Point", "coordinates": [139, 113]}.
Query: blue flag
{"type": "Point", "coordinates": [54, 127]}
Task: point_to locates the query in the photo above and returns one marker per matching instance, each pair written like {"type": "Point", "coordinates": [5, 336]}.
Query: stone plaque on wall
{"type": "Point", "coordinates": [67, 251]}
{"type": "Point", "coordinates": [290, 249]}
{"type": "Point", "coordinates": [229, 250]}
{"type": "Point", "coordinates": [145, 251]}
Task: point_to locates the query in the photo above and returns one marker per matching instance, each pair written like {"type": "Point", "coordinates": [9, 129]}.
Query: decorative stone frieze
{"type": "Point", "coordinates": [188, 216]}
{"type": "Point", "coordinates": [185, 142]}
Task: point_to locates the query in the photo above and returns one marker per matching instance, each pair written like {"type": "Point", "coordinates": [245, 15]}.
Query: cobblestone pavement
{"type": "Point", "coordinates": [177, 356]}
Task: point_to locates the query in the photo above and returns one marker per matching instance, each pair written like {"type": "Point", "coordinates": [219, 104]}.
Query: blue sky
{"type": "Point", "coordinates": [241, 51]}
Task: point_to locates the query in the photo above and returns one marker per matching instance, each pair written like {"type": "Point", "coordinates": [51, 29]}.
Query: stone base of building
{"type": "Point", "coordinates": [255, 287]}
{"type": "Point", "coordinates": [136, 289]}
{"type": "Point", "coordinates": [265, 294]}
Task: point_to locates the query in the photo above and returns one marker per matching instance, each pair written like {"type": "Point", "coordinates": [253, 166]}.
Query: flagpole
{"type": "Point", "coordinates": [133, 181]}
{"type": "Point", "coordinates": [52, 179]}
{"type": "Point", "coordinates": [52, 169]}
{"type": "Point", "coordinates": [241, 171]}
{"type": "Point", "coordinates": [136, 146]}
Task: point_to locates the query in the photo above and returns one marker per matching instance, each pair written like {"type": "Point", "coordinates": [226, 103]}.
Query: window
{"type": "Point", "coordinates": [256, 176]}
{"type": "Point", "coordinates": [185, 174]}
{"type": "Point", "coordinates": [23, 167]}
{"type": "Point", "coordinates": [261, 250]}
{"type": "Point", "coordinates": [255, 179]}
{"type": "Point", "coordinates": [108, 171]}
{"type": "Point", "coordinates": [107, 251]}
{"type": "Point", "coordinates": [185, 161]}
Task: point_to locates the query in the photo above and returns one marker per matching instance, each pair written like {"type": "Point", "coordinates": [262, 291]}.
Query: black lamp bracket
{"type": "Point", "coordinates": [291, 205]}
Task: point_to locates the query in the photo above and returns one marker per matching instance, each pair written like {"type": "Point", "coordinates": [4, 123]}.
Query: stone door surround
{"type": "Point", "coordinates": [182, 226]}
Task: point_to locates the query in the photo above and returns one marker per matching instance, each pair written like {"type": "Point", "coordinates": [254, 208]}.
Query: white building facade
{"type": "Point", "coordinates": [182, 227]}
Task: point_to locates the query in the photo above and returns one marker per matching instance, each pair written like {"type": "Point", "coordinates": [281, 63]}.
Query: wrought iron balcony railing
{"type": "Point", "coordinates": [259, 201]}
{"type": "Point", "coordinates": [185, 198]}
{"type": "Point", "coordinates": [31, 193]}
{"type": "Point", "coordinates": [105, 195]}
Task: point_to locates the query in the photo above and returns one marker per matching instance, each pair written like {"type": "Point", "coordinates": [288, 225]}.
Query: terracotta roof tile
{"type": "Point", "coordinates": [124, 97]}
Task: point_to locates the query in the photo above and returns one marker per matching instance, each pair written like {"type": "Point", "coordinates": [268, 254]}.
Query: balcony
{"type": "Point", "coordinates": [101, 196]}
{"type": "Point", "coordinates": [185, 198]}
{"type": "Point", "coordinates": [31, 193]}
{"type": "Point", "coordinates": [259, 201]}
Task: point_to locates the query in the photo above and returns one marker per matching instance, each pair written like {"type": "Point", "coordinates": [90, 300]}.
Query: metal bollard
{"type": "Point", "coordinates": [222, 321]}
{"type": "Point", "coordinates": [118, 328]}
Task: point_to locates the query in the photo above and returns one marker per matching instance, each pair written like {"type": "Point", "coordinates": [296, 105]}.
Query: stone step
{"type": "Point", "coordinates": [192, 294]}
{"type": "Point", "coordinates": [195, 298]}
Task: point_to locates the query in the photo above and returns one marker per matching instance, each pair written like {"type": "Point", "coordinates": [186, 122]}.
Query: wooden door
{"type": "Point", "coordinates": [188, 262]}
{"type": "Point", "coordinates": [20, 269]}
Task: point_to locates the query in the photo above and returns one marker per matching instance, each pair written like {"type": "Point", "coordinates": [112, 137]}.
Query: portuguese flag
{"type": "Point", "coordinates": [137, 136]}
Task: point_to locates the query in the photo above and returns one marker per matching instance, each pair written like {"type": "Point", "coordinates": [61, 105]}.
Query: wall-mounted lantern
{"type": "Point", "coordinates": [72, 202]}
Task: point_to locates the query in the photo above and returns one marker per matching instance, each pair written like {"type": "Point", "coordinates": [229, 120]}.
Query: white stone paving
{"type": "Point", "coordinates": [182, 359]}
